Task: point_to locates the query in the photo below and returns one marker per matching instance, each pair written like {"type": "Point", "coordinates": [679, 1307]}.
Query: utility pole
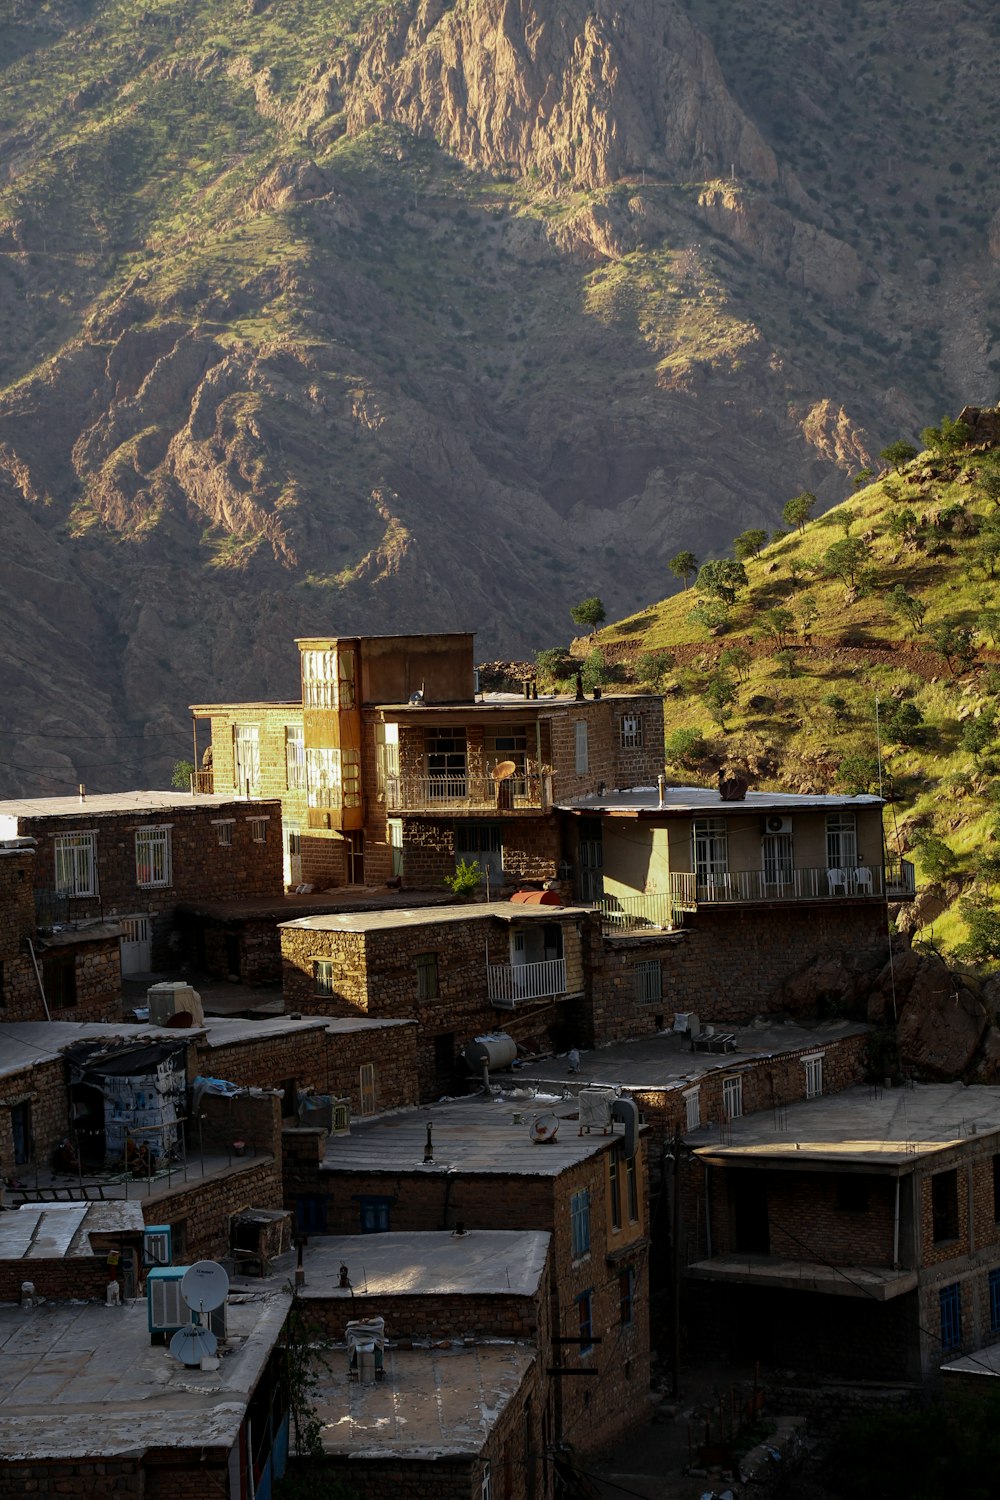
{"type": "Point", "coordinates": [675, 1250]}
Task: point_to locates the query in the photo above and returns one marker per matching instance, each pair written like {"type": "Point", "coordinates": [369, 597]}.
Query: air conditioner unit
{"type": "Point", "coordinates": [774, 823]}
{"type": "Point", "coordinates": [157, 1245]}
{"type": "Point", "coordinates": [166, 1307]}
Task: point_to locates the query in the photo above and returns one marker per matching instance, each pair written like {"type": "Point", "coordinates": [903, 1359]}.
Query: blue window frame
{"type": "Point", "coordinates": [310, 1214]}
{"type": "Point", "coordinates": [995, 1300]}
{"type": "Point", "coordinates": [585, 1315]}
{"type": "Point", "coordinates": [579, 1215]}
{"type": "Point", "coordinates": [951, 1316]}
{"type": "Point", "coordinates": [375, 1215]}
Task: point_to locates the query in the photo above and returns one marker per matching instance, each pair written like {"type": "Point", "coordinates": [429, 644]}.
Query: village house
{"type": "Point", "coordinates": [517, 1163]}
{"type": "Point", "coordinates": [135, 857]}
{"type": "Point", "coordinates": [864, 1223]}
{"type": "Point", "coordinates": [395, 767]}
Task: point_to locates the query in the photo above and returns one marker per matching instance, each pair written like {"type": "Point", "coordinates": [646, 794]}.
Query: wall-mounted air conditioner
{"type": "Point", "coordinates": [774, 823]}
{"type": "Point", "coordinates": [157, 1245]}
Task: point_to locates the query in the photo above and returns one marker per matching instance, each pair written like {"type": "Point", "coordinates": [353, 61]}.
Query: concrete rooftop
{"type": "Point", "coordinates": [385, 921]}
{"type": "Point", "coordinates": [224, 1031]}
{"type": "Point", "coordinates": [434, 1263]}
{"type": "Point", "coordinates": [431, 1403]}
{"type": "Point", "coordinates": [665, 1060]}
{"type": "Point", "coordinates": [873, 1128]}
{"type": "Point", "coordinates": [83, 1379]}
{"type": "Point", "coordinates": [39, 1231]}
{"type": "Point", "coordinates": [23, 1044]}
{"type": "Point", "coordinates": [476, 1134]}
{"type": "Point", "coordinates": [682, 801]}
{"type": "Point", "coordinates": [106, 804]}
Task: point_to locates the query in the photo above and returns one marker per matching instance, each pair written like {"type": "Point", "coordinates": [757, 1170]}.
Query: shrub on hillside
{"type": "Point", "coordinates": [686, 747]}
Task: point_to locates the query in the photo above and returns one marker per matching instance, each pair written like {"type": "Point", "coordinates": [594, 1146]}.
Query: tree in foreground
{"type": "Point", "coordinates": [589, 612]}
{"type": "Point", "coordinates": [950, 438]}
{"type": "Point", "coordinates": [799, 509]}
{"type": "Point", "coordinates": [683, 565]}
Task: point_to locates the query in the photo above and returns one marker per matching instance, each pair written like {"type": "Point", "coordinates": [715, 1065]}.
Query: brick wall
{"type": "Point", "coordinates": [425, 1317]}
{"type": "Point", "coordinates": [96, 1477]}
{"type": "Point", "coordinates": [532, 849]}
{"type": "Point", "coordinates": [200, 1212]}
{"type": "Point", "coordinates": [96, 982]}
{"type": "Point", "coordinates": [44, 1088]}
{"type": "Point", "coordinates": [59, 1279]}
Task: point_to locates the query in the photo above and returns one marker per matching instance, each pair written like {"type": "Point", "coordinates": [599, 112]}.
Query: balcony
{"type": "Point", "coordinates": [656, 911]}
{"type": "Point", "coordinates": [472, 793]}
{"type": "Point", "coordinates": [900, 880]}
{"type": "Point", "coordinates": [824, 883]}
{"type": "Point", "coordinates": [512, 984]}
{"type": "Point", "coordinates": [202, 783]}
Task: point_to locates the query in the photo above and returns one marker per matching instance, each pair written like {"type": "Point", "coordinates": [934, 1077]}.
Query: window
{"type": "Point", "coordinates": [446, 763]}
{"type": "Point", "coordinates": [648, 981]}
{"type": "Point", "coordinates": [582, 750]}
{"type": "Point", "coordinates": [376, 1214]}
{"type": "Point", "coordinates": [246, 756]}
{"type": "Point", "coordinates": [345, 678]}
{"type": "Point", "coordinates": [509, 742]}
{"type": "Point", "coordinates": [310, 1214]}
{"type": "Point", "coordinates": [631, 732]}
{"type": "Point", "coordinates": [579, 1220]}
{"type": "Point", "coordinates": [852, 1194]}
{"type": "Point", "coordinates": [333, 777]}
{"type": "Point", "coordinates": [841, 841]}
{"type": "Point", "coordinates": [732, 1098]}
{"type": "Point", "coordinates": [626, 1295]}
{"type": "Point", "coordinates": [224, 832]}
{"type": "Point", "coordinates": [814, 1075]}
{"type": "Point", "coordinates": [396, 845]}
{"type": "Point", "coordinates": [995, 1301]}
{"type": "Point", "coordinates": [711, 851]}
{"type": "Point", "coordinates": [76, 866]}
{"type": "Point", "coordinates": [632, 1190]}
{"type": "Point", "coordinates": [319, 679]}
{"type": "Point", "coordinates": [692, 1106]}
{"type": "Point", "coordinates": [295, 757]}
{"type": "Point", "coordinates": [366, 1088]}
{"type": "Point", "coordinates": [152, 856]}
{"type": "Point", "coordinates": [585, 1320]}
{"type": "Point", "coordinates": [258, 829]}
{"type": "Point", "coordinates": [615, 1187]}
{"type": "Point", "coordinates": [386, 755]}
{"type": "Point", "coordinates": [426, 965]}
{"type": "Point", "coordinates": [951, 1316]}
{"type": "Point", "coordinates": [482, 842]}
{"type": "Point", "coordinates": [944, 1206]}
{"type": "Point", "coordinates": [486, 1493]}
{"type": "Point", "coordinates": [323, 976]}
{"type": "Point", "coordinates": [777, 859]}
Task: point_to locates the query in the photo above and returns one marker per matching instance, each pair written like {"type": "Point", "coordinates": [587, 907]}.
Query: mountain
{"type": "Point", "coordinates": [320, 315]}
{"type": "Point", "coordinates": [861, 654]}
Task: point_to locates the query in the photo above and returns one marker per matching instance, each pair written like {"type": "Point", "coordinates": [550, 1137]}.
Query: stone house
{"type": "Point", "coordinates": [394, 766]}
{"type": "Point", "coordinates": [135, 857]}
{"type": "Point", "coordinates": [487, 1172]}
{"type": "Point", "coordinates": [458, 970]}
{"type": "Point", "coordinates": [862, 1221]}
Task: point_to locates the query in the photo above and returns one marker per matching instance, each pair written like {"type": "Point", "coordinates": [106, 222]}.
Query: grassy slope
{"type": "Point", "coordinates": [859, 651]}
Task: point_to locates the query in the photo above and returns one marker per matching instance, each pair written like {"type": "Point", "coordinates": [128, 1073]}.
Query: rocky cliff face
{"type": "Point", "coordinates": [448, 319]}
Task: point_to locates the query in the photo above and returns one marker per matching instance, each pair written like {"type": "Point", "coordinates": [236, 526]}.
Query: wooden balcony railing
{"type": "Point", "coordinates": [472, 792]}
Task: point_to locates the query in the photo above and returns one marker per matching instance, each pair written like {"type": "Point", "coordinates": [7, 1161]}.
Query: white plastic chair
{"type": "Point", "coordinates": [863, 880]}
{"type": "Point", "coordinates": [835, 878]}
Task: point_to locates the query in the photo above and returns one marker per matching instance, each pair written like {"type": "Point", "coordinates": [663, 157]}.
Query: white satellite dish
{"type": "Point", "coordinates": [193, 1344]}
{"type": "Point", "coordinates": [544, 1128]}
{"type": "Point", "coordinates": [204, 1286]}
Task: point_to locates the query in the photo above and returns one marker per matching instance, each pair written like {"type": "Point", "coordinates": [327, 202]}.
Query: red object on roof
{"type": "Point", "coordinates": [537, 898]}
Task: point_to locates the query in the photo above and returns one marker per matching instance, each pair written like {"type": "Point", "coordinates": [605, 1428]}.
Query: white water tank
{"type": "Point", "coordinates": [496, 1050]}
{"type": "Point", "coordinates": [169, 999]}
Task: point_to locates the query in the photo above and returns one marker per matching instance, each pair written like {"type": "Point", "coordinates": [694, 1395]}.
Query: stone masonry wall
{"type": "Point", "coordinates": [200, 1212]}
{"type": "Point", "coordinates": [100, 1478]}
{"type": "Point", "coordinates": [455, 1316]}
{"type": "Point", "coordinates": [44, 1088]}
{"type": "Point", "coordinates": [97, 974]}
{"type": "Point", "coordinates": [531, 850]}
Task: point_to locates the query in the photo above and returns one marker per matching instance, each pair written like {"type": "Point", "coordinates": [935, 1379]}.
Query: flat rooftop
{"type": "Point", "coordinates": [435, 1263]}
{"type": "Point", "coordinates": [477, 1134]}
{"type": "Point", "coordinates": [432, 1403]}
{"type": "Point", "coordinates": [879, 1129]}
{"type": "Point", "coordinates": [682, 801]}
{"type": "Point", "coordinates": [385, 921]}
{"type": "Point", "coordinates": [82, 1380]}
{"type": "Point", "coordinates": [226, 1032]}
{"type": "Point", "coordinates": [878, 1283]}
{"type": "Point", "coordinates": [24, 1044]}
{"type": "Point", "coordinates": [108, 804]}
{"type": "Point", "coordinates": [287, 907]}
{"type": "Point", "coordinates": [49, 1231]}
{"type": "Point", "coordinates": [665, 1060]}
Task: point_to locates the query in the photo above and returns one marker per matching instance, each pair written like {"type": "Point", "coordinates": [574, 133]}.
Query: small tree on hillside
{"type": "Point", "coordinates": [948, 439]}
{"type": "Point", "coordinates": [683, 565]}
{"type": "Point", "coordinates": [862, 477]}
{"type": "Point", "coordinates": [989, 477]}
{"type": "Point", "coordinates": [846, 559]}
{"type": "Point", "coordinates": [809, 610]}
{"type": "Point", "coordinates": [722, 579]}
{"type": "Point", "coordinates": [799, 509]}
{"type": "Point", "coordinates": [711, 614]}
{"type": "Point", "coordinates": [979, 734]}
{"type": "Point", "coordinates": [718, 697]}
{"type": "Point", "coordinates": [903, 525]}
{"type": "Point", "coordinates": [590, 612]}
{"type": "Point", "coordinates": [906, 607]}
{"type": "Point", "coordinates": [955, 642]}
{"type": "Point", "coordinates": [749, 544]}
{"type": "Point", "coordinates": [738, 660]}
{"type": "Point", "coordinates": [776, 623]}
{"type": "Point", "coordinates": [898, 454]}
{"type": "Point", "coordinates": [858, 772]}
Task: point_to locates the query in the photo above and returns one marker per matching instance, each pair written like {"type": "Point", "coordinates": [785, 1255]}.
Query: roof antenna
{"type": "Point", "coordinates": [428, 1146]}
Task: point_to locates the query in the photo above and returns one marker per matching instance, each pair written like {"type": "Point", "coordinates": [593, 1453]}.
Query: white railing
{"type": "Point", "coordinates": [652, 912]}
{"type": "Point", "coordinates": [509, 984]}
{"type": "Point", "coordinates": [683, 890]}
{"type": "Point", "coordinates": [472, 792]}
{"type": "Point", "coordinates": [790, 885]}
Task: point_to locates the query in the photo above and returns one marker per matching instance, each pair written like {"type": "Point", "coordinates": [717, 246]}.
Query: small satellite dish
{"type": "Point", "coordinates": [544, 1128]}
{"type": "Point", "coordinates": [204, 1286]}
{"type": "Point", "coordinates": [504, 770]}
{"type": "Point", "coordinates": [193, 1344]}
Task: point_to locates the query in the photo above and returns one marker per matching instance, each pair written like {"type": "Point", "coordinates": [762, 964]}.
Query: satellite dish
{"type": "Point", "coordinates": [504, 770]}
{"type": "Point", "coordinates": [193, 1344]}
{"type": "Point", "coordinates": [204, 1286]}
{"type": "Point", "coordinates": [544, 1128]}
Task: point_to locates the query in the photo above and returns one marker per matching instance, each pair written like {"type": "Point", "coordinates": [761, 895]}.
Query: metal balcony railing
{"type": "Point", "coordinates": [653, 912]}
{"type": "Point", "coordinates": [900, 880]}
{"type": "Point", "coordinates": [472, 792]}
{"type": "Point", "coordinates": [787, 884]}
{"type": "Point", "coordinates": [510, 984]}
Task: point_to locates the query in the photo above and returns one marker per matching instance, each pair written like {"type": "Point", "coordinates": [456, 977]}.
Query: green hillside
{"type": "Point", "coordinates": [911, 620]}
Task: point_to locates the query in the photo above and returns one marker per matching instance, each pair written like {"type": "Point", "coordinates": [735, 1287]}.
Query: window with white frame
{"type": "Point", "coordinates": [692, 1108]}
{"type": "Point", "coordinates": [258, 829]}
{"type": "Point", "coordinates": [582, 747]}
{"type": "Point", "coordinates": [711, 849]}
{"type": "Point", "coordinates": [841, 841]}
{"type": "Point", "coordinates": [319, 679]}
{"type": "Point", "coordinates": [152, 857]}
{"type": "Point", "coordinates": [295, 757]}
{"type": "Point", "coordinates": [732, 1097]}
{"type": "Point", "coordinates": [579, 1221]}
{"type": "Point", "coordinates": [631, 731]}
{"type": "Point", "coordinates": [246, 756]}
{"type": "Point", "coordinates": [487, 1488]}
{"type": "Point", "coordinates": [814, 1075]}
{"type": "Point", "coordinates": [224, 832]}
{"type": "Point", "coordinates": [648, 981]}
{"type": "Point", "coordinates": [323, 975]}
{"type": "Point", "coordinates": [76, 864]}
{"type": "Point", "coordinates": [386, 755]}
